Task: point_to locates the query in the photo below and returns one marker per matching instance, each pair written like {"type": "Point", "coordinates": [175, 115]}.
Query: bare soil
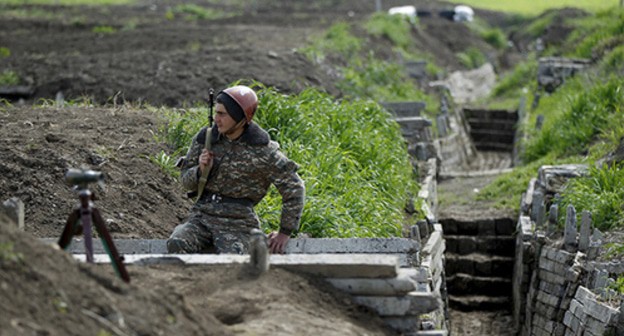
{"type": "Point", "coordinates": [150, 59]}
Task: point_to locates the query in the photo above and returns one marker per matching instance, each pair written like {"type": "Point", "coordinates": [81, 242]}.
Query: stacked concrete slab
{"type": "Point", "coordinates": [553, 71]}
{"type": "Point", "coordinates": [415, 128]}
{"type": "Point", "coordinates": [492, 130]}
{"type": "Point", "coordinates": [479, 262]}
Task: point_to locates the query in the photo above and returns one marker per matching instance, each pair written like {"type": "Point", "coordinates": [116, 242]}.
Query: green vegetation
{"type": "Point", "coordinates": [376, 79]}
{"type": "Point", "coordinates": [595, 35]}
{"type": "Point", "coordinates": [8, 254]}
{"type": "Point", "coordinates": [9, 77]}
{"type": "Point", "coordinates": [393, 27]}
{"type": "Point", "coordinates": [576, 116]}
{"type": "Point", "coordinates": [104, 30]}
{"type": "Point", "coordinates": [495, 37]}
{"type": "Point", "coordinates": [337, 40]}
{"type": "Point", "coordinates": [166, 163]}
{"type": "Point", "coordinates": [521, 78]}
{"type": "Point", "coordinates": [4, 52]}
{"type": "Point", "coordinates": [583, 120]}
{"type": "Point", "coordinates": [601, 193]}
{"type": "Point", "coordinates": [531, 7]}
{"type": "Point", "coordinates": [194, 12]}
{"type": "Point", "coordinates": [472, 58]}
{"type": "Point", "coordinates": [357, 170]}
{"type": "Point", "coordinates": [365, 75]}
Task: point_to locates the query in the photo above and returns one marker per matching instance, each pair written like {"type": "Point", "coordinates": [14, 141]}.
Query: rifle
{"type": "Point", "coordinates": [207, 145]}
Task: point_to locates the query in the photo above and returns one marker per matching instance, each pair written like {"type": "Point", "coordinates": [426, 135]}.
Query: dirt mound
{"type": "Point", "coordinates": [138, 199]}
{"type": "Point", "coordinates": [46, 292]}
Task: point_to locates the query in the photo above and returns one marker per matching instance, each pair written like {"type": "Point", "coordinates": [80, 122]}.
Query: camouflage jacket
{"type": "Point", "coordinates": [246, 168]}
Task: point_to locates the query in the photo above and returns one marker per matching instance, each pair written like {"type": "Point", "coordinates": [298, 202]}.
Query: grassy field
{"type": "Point", "coordinates": [536, 7]}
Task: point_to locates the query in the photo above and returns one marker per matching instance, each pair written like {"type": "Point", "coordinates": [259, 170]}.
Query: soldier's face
{"type": "Point", "coordinates": [223, 119]}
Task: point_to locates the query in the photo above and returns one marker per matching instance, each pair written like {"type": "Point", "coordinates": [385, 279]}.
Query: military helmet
{"type": "Point", "coordinates": [245, 97]}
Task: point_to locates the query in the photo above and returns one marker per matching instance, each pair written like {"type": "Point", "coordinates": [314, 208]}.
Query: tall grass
{"type": "Point", "coordinates": [522, 77]}
{"type": "Point", "coordinates": [352, 157]}
{"type": "Point", "coordinates": [575, 116]}
{"type": "Point", "coordinates": [601, 193]}
{"type": "Point", "coordinates": [597, 34]}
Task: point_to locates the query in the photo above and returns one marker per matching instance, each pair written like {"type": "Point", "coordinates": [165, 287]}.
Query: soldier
{"type": "Point", "coordinates": [242, 163]}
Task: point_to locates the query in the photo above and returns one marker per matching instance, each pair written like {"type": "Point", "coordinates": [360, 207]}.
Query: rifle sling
{"type": "Point", "coordinates": [204, 177]}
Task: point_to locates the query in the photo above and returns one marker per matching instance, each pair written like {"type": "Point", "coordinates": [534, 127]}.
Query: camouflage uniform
{"type": "Point", "coordinates": [242, 172]}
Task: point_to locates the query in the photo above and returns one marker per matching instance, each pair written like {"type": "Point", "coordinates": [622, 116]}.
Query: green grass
{"type": "Point", "coordinates": [338, 39]}
{"type": "Point", "coordinates": [393, 27]}
{"type": "Point", "coordinates": [576, 116]}
{"type": "Point", "coordinates": [192, 12]}
{"type": "Point", "coordinates": [9, 77]}
{"type": "Point", "coordinates": [352, 157]}
{"type": "Point", "coordinates": [596, 35]}
{"type": "Point", "coordinates": [381, 81]}
{"type": "Point", "coordinates": [601, 193]}
{"type": "Point", "coordinates": [106, 30]}
{"type": "Point", "coordinates": [514, 84]}
{"type": "Point", "coordinates": [535, 7]}
{"type": "Point", "coordinates": [472, 58]}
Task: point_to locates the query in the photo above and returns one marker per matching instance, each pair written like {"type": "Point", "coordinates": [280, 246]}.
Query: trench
{"type": "Point", "coordinates": [480, 241]}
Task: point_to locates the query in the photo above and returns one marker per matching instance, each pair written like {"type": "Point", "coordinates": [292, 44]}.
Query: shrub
{"type": "Point", "coordinates": [9, 77]}
{"type": "Point", "coordinates": [4, 52]}
{"type": "Point", "coordinates": [472, 58]}
{"type": "Point", "coordinates": [495, 37]}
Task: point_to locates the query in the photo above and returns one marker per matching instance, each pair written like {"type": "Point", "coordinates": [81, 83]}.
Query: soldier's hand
{"type": "Point", "coordinates": [205, 160]}
{"type": "Point", "coordinates": [277, 242]}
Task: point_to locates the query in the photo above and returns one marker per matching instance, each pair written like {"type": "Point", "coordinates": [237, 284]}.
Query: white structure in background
{"type": "Point", "coordinates": [408, 11]}
{"type": "Point", "coordinates": [463, 13]}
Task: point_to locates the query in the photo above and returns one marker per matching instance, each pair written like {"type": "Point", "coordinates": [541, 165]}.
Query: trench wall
{"type": "Point", "coordinates": [559, 286]}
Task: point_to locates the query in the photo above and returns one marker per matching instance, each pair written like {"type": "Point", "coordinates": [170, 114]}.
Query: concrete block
{"type": "Point", "coordinates": [401, 285]}
{"type": "Point", "coordinates": [487, 227]}
{"type": "Point", "coordinates": [325, 265]}
{"type": "Point", "coordinates": [548, 299]}
{"type": "Point", "coordinates": [402, 324]}
{"type": "Point", "coordinates": [553, 266]}
{"type": "Point", "coordinates": [352, 245]}
{"type": "Point", "coordinates": [404, 109]}
{"type": "Point", "coordinates": [415, 303]}
{"type": "Point", "coordinates": [599, 311]}
{"type": "Point", "coordinates": [594, 326]}
{"type": "Point", "coordinates": [557, 255]}
{"type": "Point", "coordinates": [547, 311]}
{"type": "Point", "coordinates": [550, 288]}
{"type": "Point", "coordinates": [504, 226]}
{"type": "Point", "coordinates": [14, 209]}
{"type": "Point", "coordinates": [432, 333]}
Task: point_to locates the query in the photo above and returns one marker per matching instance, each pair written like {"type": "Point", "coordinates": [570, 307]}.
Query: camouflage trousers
{"type": "Point", "coordinates": [200, 234]}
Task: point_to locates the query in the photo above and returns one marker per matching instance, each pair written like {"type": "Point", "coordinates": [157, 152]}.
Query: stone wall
{"type": "Point", "coordinates": [558, 286]}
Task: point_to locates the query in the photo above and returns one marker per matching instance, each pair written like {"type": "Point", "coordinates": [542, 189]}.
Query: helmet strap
{"type": "Point", "coordinates": [236, 127]}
